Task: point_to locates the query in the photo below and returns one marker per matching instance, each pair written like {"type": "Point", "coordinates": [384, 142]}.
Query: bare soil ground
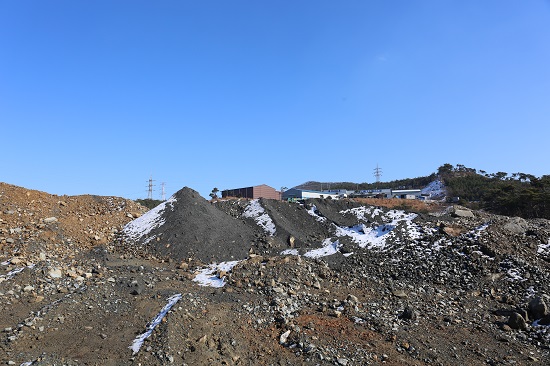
{"type": "Point", "coordinates": [75, 291]}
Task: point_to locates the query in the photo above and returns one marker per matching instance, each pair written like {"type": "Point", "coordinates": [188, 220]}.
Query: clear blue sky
{"type": "Point", "coordinates": [96, 96]}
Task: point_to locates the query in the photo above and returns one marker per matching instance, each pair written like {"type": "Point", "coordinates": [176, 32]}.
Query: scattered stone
{"type": "Point", "coordinates": [408, 314]}
{"type": "Point", "coordinates": [283, 338]}
{"type": "Point", "coordinates": [516, 321]}
{"type": "Point", "coordinates": [400, 293]}
{"type": "Point", "coordinates": [537, 308]}
{"type": "Point", "coordinates": [462, 212]}
{"type": "Point", "coordinates": [55, 273]}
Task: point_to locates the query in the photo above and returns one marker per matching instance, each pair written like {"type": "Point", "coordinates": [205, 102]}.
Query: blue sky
{"type": "Point", "coordinates": [97, 96]}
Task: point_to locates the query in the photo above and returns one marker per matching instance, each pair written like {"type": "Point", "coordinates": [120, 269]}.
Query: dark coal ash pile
{"type": "Point", "coordinates": [188, 226]}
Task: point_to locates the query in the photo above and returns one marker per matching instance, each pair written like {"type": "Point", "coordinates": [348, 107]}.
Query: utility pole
{"type": "Point", "coordinates": [377, 174]}
{"type": "Point", "coordinates": [150, 188]}
{"type": "Point", "coordinates": [163, 192]}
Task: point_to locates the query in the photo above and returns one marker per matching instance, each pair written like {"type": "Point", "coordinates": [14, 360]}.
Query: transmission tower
{"type": "Point", "coordinates": [377, 173]}
{"type": "Point", "coordinates": [162, 191]}
{"type": "Point", "coordinates": [150, 188]}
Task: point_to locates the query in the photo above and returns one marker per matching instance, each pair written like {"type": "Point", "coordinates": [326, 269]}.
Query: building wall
{"type": "Point", "coordinates": [246, 192]}
{"type": "Point", "coordinates": [265, 191]}
{"type": "Point", "coordinates": [261, 191]}
{"type": "Point", "coordinates": [292, 193]}
{"type": "Point", "coordinates": [304, 194]}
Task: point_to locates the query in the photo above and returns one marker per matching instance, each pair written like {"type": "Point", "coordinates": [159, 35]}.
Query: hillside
{"type": "Point", "coordinates": [516, 194]}
{"type": "Point", "coordinates": [264, 282]}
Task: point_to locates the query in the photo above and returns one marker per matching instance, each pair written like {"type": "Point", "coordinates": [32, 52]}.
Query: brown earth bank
{"type": "Point", "coordinates": [81, 277]}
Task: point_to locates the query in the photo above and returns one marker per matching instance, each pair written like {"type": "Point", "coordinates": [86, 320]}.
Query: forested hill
{"type": "Point", "coordinates": [516, 194]}
{"type": "Point", "coordinates": [510, 194]}
{"type": "Point", "coordinates": [407, 183]}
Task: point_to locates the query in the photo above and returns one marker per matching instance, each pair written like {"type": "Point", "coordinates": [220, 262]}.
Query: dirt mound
{"type": "Point", "coordinates": [34, 222]}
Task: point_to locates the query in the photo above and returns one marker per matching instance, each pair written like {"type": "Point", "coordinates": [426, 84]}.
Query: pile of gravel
{"type": "Point", "coordinates": [188, 226]}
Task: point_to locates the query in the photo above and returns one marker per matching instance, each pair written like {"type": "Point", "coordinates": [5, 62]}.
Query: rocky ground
{"type": "Point", "coordinates": [89, 280]}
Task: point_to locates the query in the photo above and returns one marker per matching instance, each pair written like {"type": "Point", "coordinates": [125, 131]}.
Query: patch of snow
{"type": "Point", "coordinates": [375, 237]}
{"type": "Point", "coordinates": [544, 249]}
{"type": "Point", "coordinates": [255, 211]}
{"type": "Point", "coordinates": [513, 273]}
{"type": "Point", "coordinates": [152, 219]}
{"type": "Point", "coordinates": [536, 324]}
{"type": "Point", "coordinates": [476, 233]}
{"type": "Point", "coordinates": [138, 342]}
{"type": "Point", "coordinates": [290, 252]}
{"type": "Point", "coordinates": [362, 212]}
{"type": "Point", "coordinates": [435, 189]}
{"type": "Point", "coordinates": [312, 212]}
{"type": "Point", "coordinates": [207, 276]}
{"type": "Point", "coordinates": [329, 248]}
{"type": "Point", "coordinates": [438, 244]}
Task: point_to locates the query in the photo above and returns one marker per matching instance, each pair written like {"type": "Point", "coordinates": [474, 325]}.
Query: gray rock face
{"type": "Point", "coordinates": [516, 225]}
{"type": "Point", "coordinates": [463, 212]}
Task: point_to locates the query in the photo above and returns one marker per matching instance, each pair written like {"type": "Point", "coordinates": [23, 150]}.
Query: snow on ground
{"type": "Point", "coordinates": [435, 189]}
{"type": "Point", "coordinates": [150, 220]}
{"type": "Point", "coordinates": [514, 273]}
{"type": "Point", "coordinates": [207, 276]}
{"type": "Point", "coordinates": [313, 212]}
{"type": "Point", "coordinates": [365, 236]}
{"type": "Point", "coordinates": [255, 211]}
{"type": "Point", "coordinates": [476, 233]}
{"type": "Point", "coordinates": [13, 272]}
{"type": "Point", "coordinates": [138, 342]}
{"type": "Point", "coordinates": [362, 212]}
{"type": "Point", "coordinates": [375, 237]}
{"type": "Point", "coordinates": [544, 249]}
{"type": "Point", "coordinates": [329, 248]}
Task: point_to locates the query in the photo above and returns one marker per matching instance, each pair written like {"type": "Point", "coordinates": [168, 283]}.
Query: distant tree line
{"type": "Point", "coordinates": [149, 203]}
{"type": "Point", "coordinates": [407, 183]}
{"type": "Point", "coordinates": [516, 194]}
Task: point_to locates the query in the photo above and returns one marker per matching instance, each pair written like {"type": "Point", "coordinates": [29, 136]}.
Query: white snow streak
{"type": "Point", "coordinates": [138, 342]}
{"type": "Point", "coordinates": [12, 273]}
{"type": "Point", "coordinates": [312, 212]}
{"type": "Point", "coordinates": [255, 211]}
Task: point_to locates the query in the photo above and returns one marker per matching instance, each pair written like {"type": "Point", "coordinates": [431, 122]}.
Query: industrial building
{"type": "Point", "coordinates": [261, 191]}
{"type": "Point", "coordinates": [299, 194]}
